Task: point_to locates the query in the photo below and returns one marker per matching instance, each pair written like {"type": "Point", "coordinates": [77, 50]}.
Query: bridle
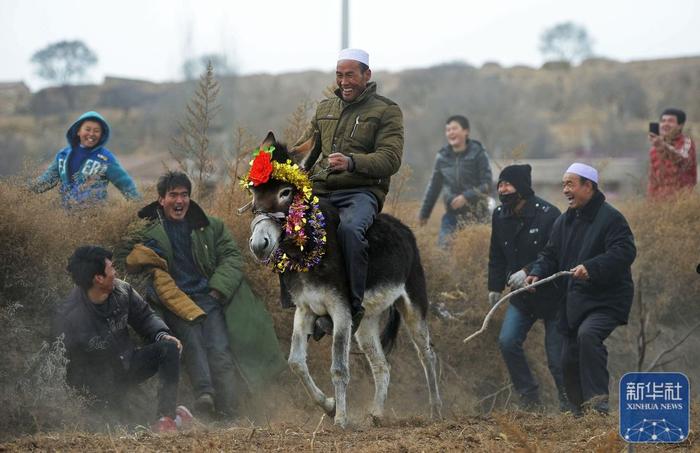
{"type": "Point", "coordinates": [260, 216]}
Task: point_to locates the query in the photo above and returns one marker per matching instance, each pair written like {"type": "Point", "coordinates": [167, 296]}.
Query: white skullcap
{"type": "Point", "coordinates": [584, 170]}
{"type": "Point", "coordinates": [354, 54]}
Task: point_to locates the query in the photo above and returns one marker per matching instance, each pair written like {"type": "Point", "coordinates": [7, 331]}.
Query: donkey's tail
{"type": "Point", "coordinates": [391, 330]}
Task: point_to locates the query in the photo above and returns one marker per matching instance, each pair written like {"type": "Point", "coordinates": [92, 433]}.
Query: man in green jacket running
{"type": "Point", "coordinates": [361, 136]}
{"type": "Point", "coordinates": [205, 263]}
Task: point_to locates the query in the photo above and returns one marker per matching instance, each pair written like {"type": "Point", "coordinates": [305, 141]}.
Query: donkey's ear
{"type": "Point", "coordinates": [269, 140]}
{"type": "Point", "coordinates": [306, 153]}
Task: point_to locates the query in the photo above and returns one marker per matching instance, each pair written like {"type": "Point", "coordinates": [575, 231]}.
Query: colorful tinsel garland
{"type": "Point", "coordinates": [305, 225]}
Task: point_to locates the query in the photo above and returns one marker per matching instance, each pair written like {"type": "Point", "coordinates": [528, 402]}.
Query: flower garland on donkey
{"type": "Point", "coordinates": [304, 224]}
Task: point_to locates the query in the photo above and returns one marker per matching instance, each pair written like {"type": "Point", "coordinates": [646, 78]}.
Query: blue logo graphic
{"type": "Point", "coordinates": [654, 407]}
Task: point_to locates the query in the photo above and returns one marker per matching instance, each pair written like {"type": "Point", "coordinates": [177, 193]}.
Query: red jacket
{"type": "Point", "coordinates": [669, 171]}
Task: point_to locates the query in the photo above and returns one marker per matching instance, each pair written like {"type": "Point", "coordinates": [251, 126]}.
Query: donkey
{"type": "Point", "coordinates": [395, 283]}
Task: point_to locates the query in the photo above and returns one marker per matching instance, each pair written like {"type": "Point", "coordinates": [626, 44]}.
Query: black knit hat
{"type": "Point", "coordinates": [519, 177]}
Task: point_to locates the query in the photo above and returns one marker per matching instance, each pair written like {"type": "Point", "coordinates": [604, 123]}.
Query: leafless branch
{"type": "Point", "coordinates": [655, 363]}
{"type": "Point", "coordinates": [508, 296]}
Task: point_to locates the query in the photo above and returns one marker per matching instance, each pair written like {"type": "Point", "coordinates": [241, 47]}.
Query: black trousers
{"type": "Point", "coordinates": [358, 208]}
{"type": "Point", "coordinates": [161, 357]}
{"type": "Point", "coordinates": [207, 353]}
{"type": "Point", "coordinates": [585, 359]}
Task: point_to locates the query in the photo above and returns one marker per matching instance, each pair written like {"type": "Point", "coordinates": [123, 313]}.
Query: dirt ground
{"type": "Point", "coordinates": [511, 431]}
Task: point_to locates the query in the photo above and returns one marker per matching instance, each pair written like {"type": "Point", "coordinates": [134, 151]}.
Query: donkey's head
{"type": "Point", "coordinates": [272, 198]}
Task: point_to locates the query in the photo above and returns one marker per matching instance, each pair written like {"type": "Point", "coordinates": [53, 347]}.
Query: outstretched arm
{"type": "Point", "coordinates": [121, 179]}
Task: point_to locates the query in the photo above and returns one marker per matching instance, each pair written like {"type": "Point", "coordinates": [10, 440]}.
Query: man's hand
{"type": "Point", "coordinates": [580, 272]}
{"type": "Point", "coordinates": [216, 295]}
{"type": "Point", "coordinates": [494, 297]}
{"type": "Point", "coordinates": [458, 202]}
{"type": "Point", "coordinates": [339, 162]}
{"type": "Point", "coordinates": [173, 339]}
{"type": "Point", "coordinates": [517, 280]}
{"type": "Point", "coordinates": [657, 142]}
{"type": "Point", "coordinates": [529, 280]}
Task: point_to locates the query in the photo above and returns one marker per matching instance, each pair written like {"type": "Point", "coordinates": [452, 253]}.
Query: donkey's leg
{"type": "Point", "coordinates": [340, 374]}
{"type": "Point", "coordinates": [367, 337]}
{"type": "Point", "coordinates": [418, 330]}
{"type": "Point", "coordinates": [303, 321]}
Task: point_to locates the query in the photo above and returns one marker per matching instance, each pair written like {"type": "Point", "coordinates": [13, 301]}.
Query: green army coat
{"type": "Point", "coordinates": [251, 331]}
{"type": "Point", "coordinates": [368, 129]}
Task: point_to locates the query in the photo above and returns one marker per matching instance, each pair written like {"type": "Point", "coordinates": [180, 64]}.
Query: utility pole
{"type": "Point", "coordinates": [344, 40]}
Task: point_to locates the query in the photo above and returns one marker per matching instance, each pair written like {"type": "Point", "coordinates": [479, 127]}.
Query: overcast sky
{"type": "Point", "coordinates": [149, 39]}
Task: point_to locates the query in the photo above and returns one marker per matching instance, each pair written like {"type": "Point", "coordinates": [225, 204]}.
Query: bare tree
{"type": "Point", "coordinates": [190, 148]}
{"type": "Point", "coordinates": [64, 63]}
{"type": "Point", "coordinates": [567, 42]}
{"type": "Point", "coordinates": [193, 66]}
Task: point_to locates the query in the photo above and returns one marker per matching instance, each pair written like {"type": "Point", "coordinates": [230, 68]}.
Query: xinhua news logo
{"type": "Point", "coordinates": [654, 407]}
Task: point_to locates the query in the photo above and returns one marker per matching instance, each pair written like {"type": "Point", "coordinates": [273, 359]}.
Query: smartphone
{"type": "Point", "coordinates": [654, 128]}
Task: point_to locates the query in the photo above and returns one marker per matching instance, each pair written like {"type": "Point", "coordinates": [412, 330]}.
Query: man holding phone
{"type": "Point", "coordinates": [672, 161]}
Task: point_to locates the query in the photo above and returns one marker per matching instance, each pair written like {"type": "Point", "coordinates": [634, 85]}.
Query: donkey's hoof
{"type": "Point", "coordinates": [376, 420]}
{"type": "Point", "coordinates": [436, 412]}
{"type": "Point", "coordinates": [341, 423]}
{"type": "Point", "coordinates": [329, 407]}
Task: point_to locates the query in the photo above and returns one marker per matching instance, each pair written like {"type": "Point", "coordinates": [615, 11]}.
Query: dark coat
{"type": "Point", "coordinates": [467, 173]}
{"type": "Point", "coordinates": [98, 345]}
{"type": "Point", "coordinates": [598, 237]}
{"type": "Point", "coordinates": [515, 242]}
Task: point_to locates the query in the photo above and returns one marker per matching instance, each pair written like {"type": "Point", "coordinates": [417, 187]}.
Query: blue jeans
{"type": "Point", "coordinates": [514, 330]}
{"type": "Point", "coordinates": [207, 352]}
{"type": "Point", "coordinates": [455, 220]}
{"type": "Point", "coordinates": [451, 220]}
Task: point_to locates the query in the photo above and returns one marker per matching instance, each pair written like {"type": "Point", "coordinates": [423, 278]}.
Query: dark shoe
{"type": "Point", "coordinates": [531, 404]}
{"type": "Point", "coordinates": [322, 326]}
{"type": "Point", "coordinates": [358, 312]}
{"type": "Point", "coordinates": [564, 404]}
{"type": "Point", "coordinates": [204, 404]}
{"type": "Point", "coordinates": [598, 404]}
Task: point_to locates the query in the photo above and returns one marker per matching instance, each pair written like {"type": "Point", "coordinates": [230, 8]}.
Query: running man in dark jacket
{"type": "Point", "coordinates": [462, 169]}
{"type": "Point", "coordinates": [593, 240]}
{"type": "Point", "coordinates": [102, 358]}
{"type": "Point", "coordinates": [519, 231]}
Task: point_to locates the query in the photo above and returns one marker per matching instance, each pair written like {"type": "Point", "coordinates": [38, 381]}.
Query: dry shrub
{"type": "Point", "coordinates": [668, 250]}
{"type": "Point", "coordinates": [36, 238]}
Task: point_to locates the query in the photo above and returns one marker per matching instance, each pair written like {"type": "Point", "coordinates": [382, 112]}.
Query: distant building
{"type": "Point", "coordinates": [14, 97]}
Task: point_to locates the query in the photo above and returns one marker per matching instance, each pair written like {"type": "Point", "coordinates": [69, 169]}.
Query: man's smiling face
{"type": "Point", "coordinates": [576, 192]}
{"type": "Point", "coordinates": [175, 203]}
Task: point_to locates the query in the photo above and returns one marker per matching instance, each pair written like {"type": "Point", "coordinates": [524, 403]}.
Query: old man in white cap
{"type": "Point", "coordinates": [593, 240]}
{"type": "Point", "coordinates": [359, 147]}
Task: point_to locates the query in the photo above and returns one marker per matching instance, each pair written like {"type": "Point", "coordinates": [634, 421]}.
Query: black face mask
{"type": "Point", "coordinates": [508, 199]}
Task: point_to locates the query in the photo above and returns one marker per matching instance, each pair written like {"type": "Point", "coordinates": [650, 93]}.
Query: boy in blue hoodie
{"type": "Point", "coordinates": [85, 166]}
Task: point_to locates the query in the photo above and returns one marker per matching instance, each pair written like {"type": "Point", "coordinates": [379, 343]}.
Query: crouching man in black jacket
{"type": "Point", "coordinates": [593, 240]}
{"type": "Point", "coordinates": [102, 358]}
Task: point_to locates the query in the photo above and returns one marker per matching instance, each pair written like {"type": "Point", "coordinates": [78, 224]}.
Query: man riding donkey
{"type": "Point", "coordinates": [358, 142]}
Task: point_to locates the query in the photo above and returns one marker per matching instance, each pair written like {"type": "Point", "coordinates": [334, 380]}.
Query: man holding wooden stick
{"type": "Point", "coordinates": [594, 241]}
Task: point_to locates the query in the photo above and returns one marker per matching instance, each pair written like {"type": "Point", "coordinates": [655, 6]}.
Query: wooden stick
{"type": "Point", "coordinates": [508, 296]}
